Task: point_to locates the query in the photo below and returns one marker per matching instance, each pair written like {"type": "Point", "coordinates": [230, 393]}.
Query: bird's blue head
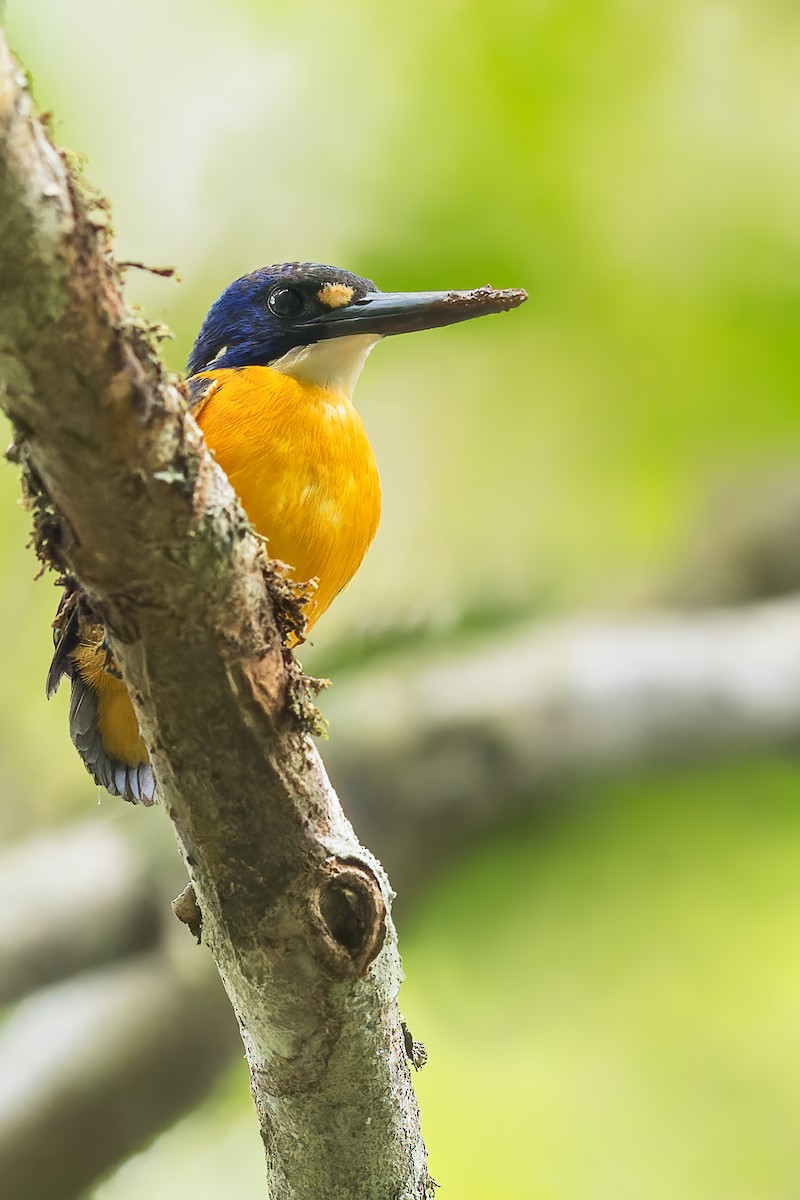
{"type": "Point", "coordinates": [269, 312]}
{"type": "Point", "coordinates": [264, 315]}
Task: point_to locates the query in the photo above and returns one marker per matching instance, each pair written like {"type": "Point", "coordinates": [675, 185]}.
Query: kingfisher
{"type": "Point", "coordinates": [271, 379]}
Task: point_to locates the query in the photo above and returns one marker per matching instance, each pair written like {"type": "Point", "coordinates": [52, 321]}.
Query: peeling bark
{"type": "Point", "coordinates": [128, 501]}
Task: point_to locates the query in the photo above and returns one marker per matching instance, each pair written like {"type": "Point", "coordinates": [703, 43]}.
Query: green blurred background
{"type": "Point", "coordinates": [635, 1028]}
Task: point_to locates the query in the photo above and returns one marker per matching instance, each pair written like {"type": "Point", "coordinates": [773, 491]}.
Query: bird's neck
{"type": "Point", "coordinates": [334, 365]}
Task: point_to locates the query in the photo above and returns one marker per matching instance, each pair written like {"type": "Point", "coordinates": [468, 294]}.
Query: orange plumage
{"type": "Point", "coordinates": [298, 456]}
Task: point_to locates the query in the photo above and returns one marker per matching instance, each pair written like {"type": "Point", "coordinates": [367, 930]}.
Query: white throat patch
{"type": "Point", "coordinates": [334, 364]}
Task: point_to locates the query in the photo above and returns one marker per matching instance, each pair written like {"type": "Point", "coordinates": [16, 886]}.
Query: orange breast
{"type": "Point", "coordinates": [299, 458]}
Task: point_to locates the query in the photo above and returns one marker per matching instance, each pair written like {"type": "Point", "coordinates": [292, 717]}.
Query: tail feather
{"type": "Point", "coordinates": [136, 784]}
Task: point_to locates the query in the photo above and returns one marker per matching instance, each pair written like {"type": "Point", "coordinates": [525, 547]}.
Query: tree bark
{"type": "Point", "coordinates": [127, 500]}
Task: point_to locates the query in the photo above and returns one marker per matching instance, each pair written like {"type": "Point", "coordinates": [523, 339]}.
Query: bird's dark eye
{"type": "Point", "coordinates": [286, 302]}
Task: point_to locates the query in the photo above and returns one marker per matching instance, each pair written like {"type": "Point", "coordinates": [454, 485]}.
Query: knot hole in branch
{"type": "Point", "coordinates": [350, 913]}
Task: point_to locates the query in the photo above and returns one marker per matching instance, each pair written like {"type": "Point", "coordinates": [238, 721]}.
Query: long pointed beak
{"type": "Point", "coordinates": [402, 312]}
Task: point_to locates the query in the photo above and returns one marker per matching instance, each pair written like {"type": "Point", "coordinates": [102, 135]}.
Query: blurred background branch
{"type": "Point", "coordinates": [93, 1067]}
{"type": "Point", "coordinates": [435, 747]}
{"type": "Point", "coordinates": [70, 900]}
{"type": "Point", "coordinates": [134, 1026]}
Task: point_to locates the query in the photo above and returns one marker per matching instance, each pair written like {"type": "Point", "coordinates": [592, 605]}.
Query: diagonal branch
{"type": "Point", "coordinates": [127, 500]}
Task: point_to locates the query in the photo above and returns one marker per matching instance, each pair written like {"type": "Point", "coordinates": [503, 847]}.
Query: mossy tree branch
{"type": "Point", "coordinates": [128, 501]}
